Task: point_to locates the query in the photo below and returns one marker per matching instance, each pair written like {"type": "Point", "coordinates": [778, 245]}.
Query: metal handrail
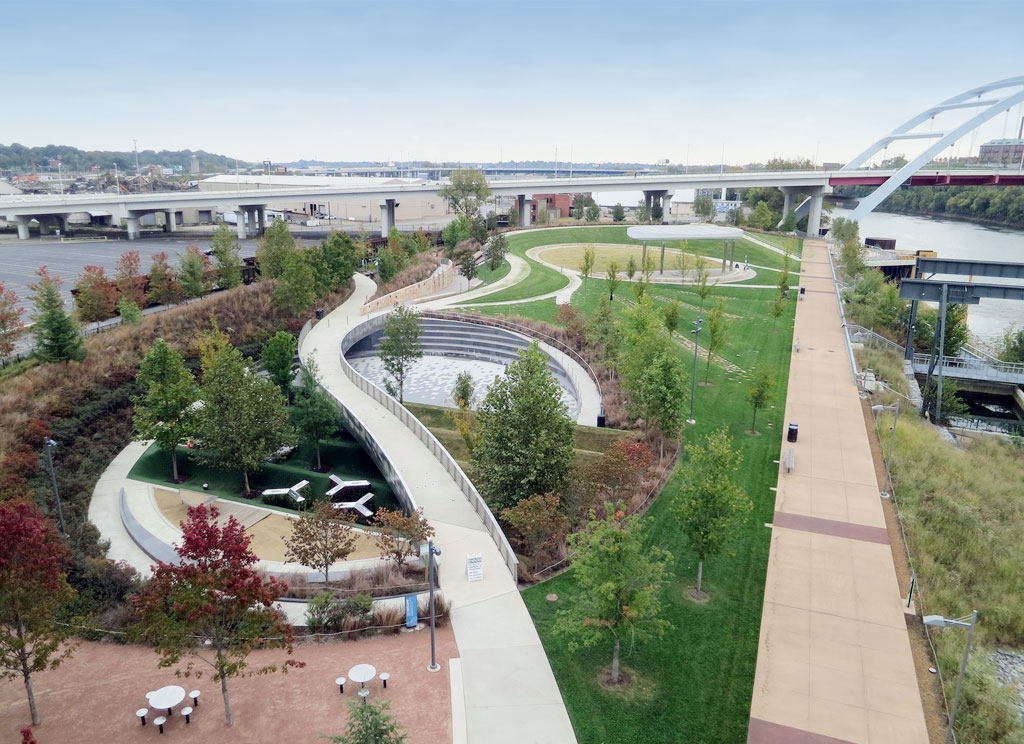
{"type": "Point", "coordinates": [525, 330]}
{"type": "Point", "coordinates": [959, 362]}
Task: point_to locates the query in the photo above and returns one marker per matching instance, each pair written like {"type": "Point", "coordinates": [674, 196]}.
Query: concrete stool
{"type": "Point", "coordinates": [187, 711]}
{"type": "Point", "coordinates": [384, 677]}
{"type": "Point", "coordinates": [340, 682]}
{"type": "Point", "coordinates": [195, 697]}
{"type": "Point", "coordinates": [160, 722]}
{"type": "Point", "coordinates": [142, 713]}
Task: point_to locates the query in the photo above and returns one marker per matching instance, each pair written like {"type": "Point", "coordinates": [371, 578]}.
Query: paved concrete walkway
{"type": "Point", "coordinates": [518, 271]}
{"type": "Point", "coordinates": [834, 663]}
{"type": "Point", "coordinates": [508, 690]}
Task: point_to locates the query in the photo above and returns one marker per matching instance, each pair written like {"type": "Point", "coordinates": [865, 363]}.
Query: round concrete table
{"type": "Point", "coordinates": [362, 673]}
{"type": "Point", "coordinates": [166, 697]}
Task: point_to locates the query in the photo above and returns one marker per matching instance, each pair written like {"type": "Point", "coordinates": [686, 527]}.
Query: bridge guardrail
{"type": "Point", "coordinates": [427, 438]}
{"type": "Point", "coordinates": [1011, 368]}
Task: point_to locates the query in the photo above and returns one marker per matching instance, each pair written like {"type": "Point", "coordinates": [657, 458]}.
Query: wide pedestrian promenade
{"type": "Point", "coordinates": [834, 662]}
{"type": "Point", "coordinates": [503, 690]}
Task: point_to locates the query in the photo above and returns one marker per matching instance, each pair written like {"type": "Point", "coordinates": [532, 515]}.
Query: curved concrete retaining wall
{"type": "Point", "coordinates": [437, 281]}
{"type": "Point", "coordinates": [374, 325]}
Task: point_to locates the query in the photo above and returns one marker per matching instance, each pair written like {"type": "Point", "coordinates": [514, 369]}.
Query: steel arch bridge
{"type": "Point", "coordinates": [991, 99]}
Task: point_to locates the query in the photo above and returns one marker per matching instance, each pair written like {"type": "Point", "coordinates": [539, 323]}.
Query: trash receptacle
{"type": "Point", "coordinates": [791, 435]}
{"type": "Point", "coordinates": [319, 314]}
{"type": "Point", "coordinates": [600, 418]}
{"type": "Point", "coordinates": [803, 290]}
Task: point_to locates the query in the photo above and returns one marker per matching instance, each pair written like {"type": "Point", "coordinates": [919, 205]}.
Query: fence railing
{"type": "Point", "coordinates": [872, 338]}
{"type": "Point", "coordinates": [969, 363]}
{"type": "Point", "coordinates": [438, 280]}
{"type": "Point", "coordinates": [429, 440]}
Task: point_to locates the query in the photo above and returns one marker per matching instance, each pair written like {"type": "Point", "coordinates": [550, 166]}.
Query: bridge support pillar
{"type": "Point", "coordinates": [261, 220]}
{"type": "Point", "coordinates": [22, 223]}
{"type": "Point", "coordinates": [787, 200]}
{"type": "Point", "coordinates": [724, 190]}
{"type": "Point", "coordinates": [661, 196]}
{"type": "Point", "coordinates": [240, 223]}
{"type": "Point", "coordinates": [44, 225]}
{"type": "Point", "coordinates": [387, 216]}
{"type": "Point", "coordinates": [523, 205]}
{"type": "Point", "coordinates": [131, 222]}
{"type": "Point", "coordinates": [814, 215]}
{"type": "Point", "coordinates": [170, 221]}
{"type": "Point", "coordinates": [666, 208]}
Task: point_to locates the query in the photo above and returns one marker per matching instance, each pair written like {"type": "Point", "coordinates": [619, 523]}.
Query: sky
{"type": "Point", "coordinates": [594, 81]}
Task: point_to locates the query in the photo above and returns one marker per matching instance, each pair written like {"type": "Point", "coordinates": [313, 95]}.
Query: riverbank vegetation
{"type": "Point", "coordinates": [998, 205]}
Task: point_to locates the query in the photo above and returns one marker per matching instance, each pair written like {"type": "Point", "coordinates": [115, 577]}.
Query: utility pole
{"type": "Point", "coordinates": [135, 147]}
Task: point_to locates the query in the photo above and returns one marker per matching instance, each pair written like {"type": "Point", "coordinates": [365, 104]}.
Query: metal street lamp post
{"type": "Point", "coordinates": [50, 444]}
{"type": "Point", "coordinates": [693, 379]}
{"type": "Point", "coordinates": [892, 440]}
{"type": "Point", "coordinates": [970, 623]}
{"type": "Point", "coordinates": [431, 576]}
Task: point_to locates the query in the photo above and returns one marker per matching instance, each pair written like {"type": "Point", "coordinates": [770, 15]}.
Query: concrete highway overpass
{"type": "Point", "coordinates": [249, 205]}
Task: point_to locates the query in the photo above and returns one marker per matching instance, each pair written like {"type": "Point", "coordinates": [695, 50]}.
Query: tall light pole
{"type": "Point", "coordinates": [892, 440]}
{"type": "Point", "coordinates": [970, 622]}
{"type": "Point", "coordinates": [117, 180]}
{"type": "Point", "coordinates": [135, 147]}
{"type": "Point", "coordinates": [60, 176]}
{"type": "Point", "coordinates": [50, 444]}
{"type": "Point", "coordinates": [693, 379]}
{"type": "Point", "coordinates": [431, 576]}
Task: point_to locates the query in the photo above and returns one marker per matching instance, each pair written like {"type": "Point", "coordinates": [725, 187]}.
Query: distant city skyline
{"type": "Point", "coordinates": [450, 81]}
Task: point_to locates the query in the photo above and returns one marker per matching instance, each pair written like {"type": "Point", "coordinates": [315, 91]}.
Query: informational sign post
{"type": "Point", "coordinates": [475, 566]}
{"type": "Point", "coordinates": [412, 615]}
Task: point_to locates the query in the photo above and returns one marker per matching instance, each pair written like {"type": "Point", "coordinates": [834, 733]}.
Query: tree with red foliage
{"type": "Point", "coordinates": [26, 736]}
{"type": "Point", "coordinates": [97, 295]}
{"type": "Point", "coordinates": [131, 284]}
{"type": "Point", "coordinates": [214, 605]}
{"type": "Point", "coordinates": [11, 325]}
{"type": "Point", "coordinates": [32, 587]}
{"type": "Point", "coordinates": [164, 288]}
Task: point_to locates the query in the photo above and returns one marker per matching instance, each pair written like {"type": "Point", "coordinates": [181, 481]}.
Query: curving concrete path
{"type": "Point", "coordinates": [508, 691]}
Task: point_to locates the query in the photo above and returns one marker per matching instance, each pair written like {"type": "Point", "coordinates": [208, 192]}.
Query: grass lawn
{"type": "Point", "coordinates": [485, 275]}
{"type": "Point", "coordinates": [346, 457]}
{"type": "Point", "coordinates": [695, 684]}
{"type": "Point", "coordinates": [795, 245]}
{"type": "Point", "coordinates": [571, 256]}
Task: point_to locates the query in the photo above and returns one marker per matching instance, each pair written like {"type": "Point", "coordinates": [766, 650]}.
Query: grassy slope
{"type": "Point", "coordinates": [485, 275]}
{"type": "Point", "coordinates": [795, 245]}
{"type": "Point", "coordinates": [697, 680]}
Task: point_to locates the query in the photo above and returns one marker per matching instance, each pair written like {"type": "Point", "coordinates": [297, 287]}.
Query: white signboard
{"type": "Point", "coordinates": [475, 566]}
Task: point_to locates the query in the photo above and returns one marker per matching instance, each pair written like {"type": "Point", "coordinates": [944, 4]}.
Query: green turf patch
{"type": "Point", "coordinates": [343, 455]}
{"type": "Point", "coordinates": [486, 276]}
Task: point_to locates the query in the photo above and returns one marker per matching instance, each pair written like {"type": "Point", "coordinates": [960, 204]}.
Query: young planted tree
{"type": "Point", "coordinates": [619, 581]}
{"type": "Point", "coordinates": [618, 213]}
{"type": "Point", "coordinates": [275, 245]}
{"type": "Point", "coordinates": [592, 212]}
{"type": "Point", "coordinates": [538, 520]}
{"type": "Point", "coordinates": [587, 263]}
{"type": "Point", "coordinates": [193, 275]}
{"type": "Point", "coordinates": [279, 359]}
{"type": "Point", "coordinates": [671, 313]}
{"type": "Point", "coordinates": [526, 440]}
{"type": "Point", "coordinates": [631, 267]}
{"type": "Point", "coordinates": [612, 280]}
{"type": "Point", "coordinates": [399, 348]}
{"type": "Point", "coordinates": [454, 233]}
{"type": "Point", "coordinates": [226, 256]}
{"type": "Point", "coordinates": [319, 539]}
{"type": "Point", "coordinates": [164, 288]}
{"type": "Point", "coordinates": [465, 191]}
{"type": "Point", "coordinates": [97, 295]}
{"type": "Point", "coordinates": [314, 416]}
{"type": "Point", "coordinates": [399, 534]}
{"type": "Point", "coordinates": [128, 278]}
{"type": "Point", "coordinates": [371, 723]}
{"type": "Point", "coordinates": [777, 308]}
{"type": "Point", "coordinates": [604, 331]}
{"type": "Point", "coordinates": [56, 334]}
{"type": "Point", "coordinates": [164, 412]}
{"type": "Point", "coordinates": [244, 417]}
{"type": "Point", "coordinates": [463, 394]}
{"type": "Point", "coordinates": [710, 502]}
{"type": "Point", "coordinates": [495, 251]}
{"type": "Point", "coordinates": [463, 391]}
{"type": "Point", "coordinates": [659, 394]}
{"type": "Point", "coordinates": [32, 588]}
{"type": "Point", "coordinates": [131, 314]}
{"type": "Point", "coordinates": [214, 607]}
{"type": "Point", "coordinates": [11, 325]}
{"type": "Point", "coordinates": [513, 216]}
{"type": "Point", "coordinates": [465, 258]}
{"type": "Point", "coordinates": [716, 332]}
{"type": "Point", "coordinates": [762, 217]}
{"type": "Point", "coordinates": [657, 212]}
{"type": "Point", "coordinates": [295, 290]}
{"type": "Point", "coordinates": [702, 283]}
{"type": "Point", "coordinates": [760, 393]}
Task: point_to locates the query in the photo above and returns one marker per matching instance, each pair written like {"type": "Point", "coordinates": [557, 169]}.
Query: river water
{"type": "Point", "coordinates": [953, 239]}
